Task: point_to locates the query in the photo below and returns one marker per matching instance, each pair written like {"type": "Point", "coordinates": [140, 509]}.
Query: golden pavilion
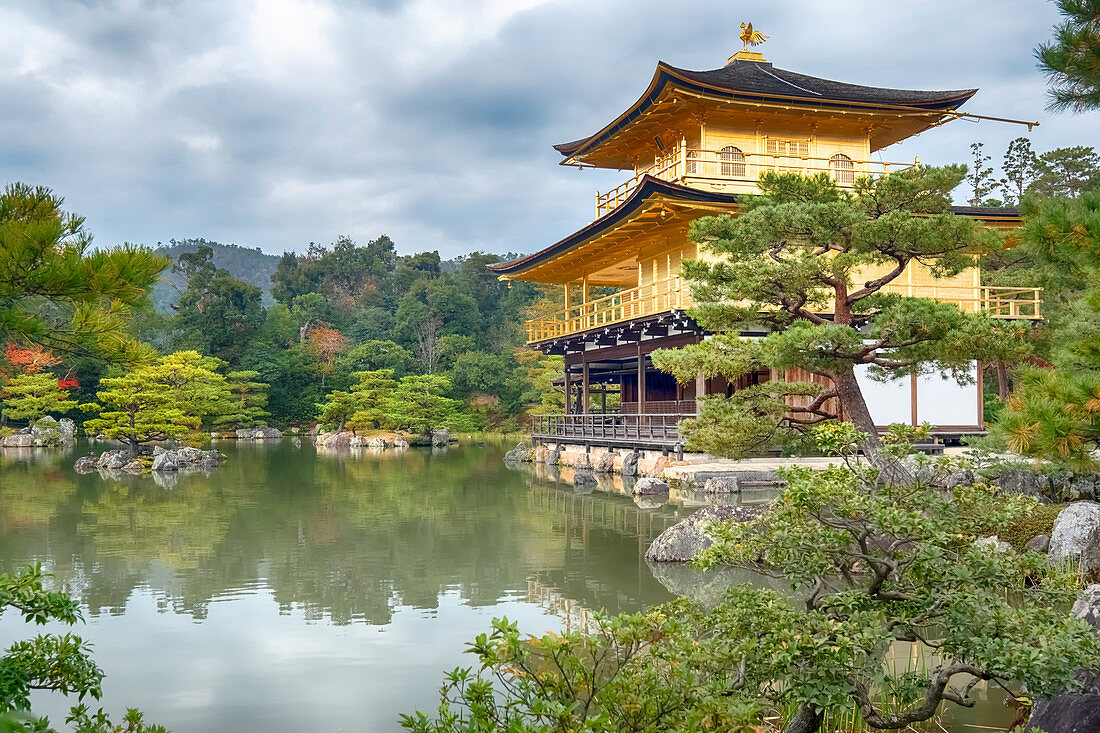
{"type": "Point", "coordinates": [692, 143]}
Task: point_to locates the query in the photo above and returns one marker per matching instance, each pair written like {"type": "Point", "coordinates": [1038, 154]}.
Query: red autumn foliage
{"type": "Point", "coordinates": [29, 360]}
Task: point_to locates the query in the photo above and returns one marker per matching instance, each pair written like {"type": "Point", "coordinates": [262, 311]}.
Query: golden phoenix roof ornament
{"type": "Point", "coordinates": [751, 37]}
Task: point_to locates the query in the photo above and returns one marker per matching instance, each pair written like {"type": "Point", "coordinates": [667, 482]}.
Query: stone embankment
{"type": "Point", "coordinates": [1074, 712]}
{"type": "Point", "coordinates": [345, 439]}
{"type": "Point", "coordinates": [260, 432]}
{"type": "Point", "coordinates": [45, 433]}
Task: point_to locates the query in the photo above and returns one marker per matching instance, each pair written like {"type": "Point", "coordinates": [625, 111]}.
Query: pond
{"type": "Point", "coordinates": [293, 590]}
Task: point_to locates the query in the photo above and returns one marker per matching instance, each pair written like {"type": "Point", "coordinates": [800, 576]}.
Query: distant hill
{"type": "Point", "coordinates": [250, 265]}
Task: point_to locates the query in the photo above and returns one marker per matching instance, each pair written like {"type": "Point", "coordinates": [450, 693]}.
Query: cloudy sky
{"type": "Point", "coordinates": [273, 123]}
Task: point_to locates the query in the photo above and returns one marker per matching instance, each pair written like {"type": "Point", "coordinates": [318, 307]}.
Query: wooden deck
{"type": "Point", "coordinates": [651, 431]}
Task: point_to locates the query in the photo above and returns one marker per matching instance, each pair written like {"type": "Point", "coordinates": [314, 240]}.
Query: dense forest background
{"type": "Point", "coordinates": [307, 322]}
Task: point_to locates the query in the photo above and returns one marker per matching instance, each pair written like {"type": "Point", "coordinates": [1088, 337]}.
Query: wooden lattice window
{"type": "Point", "coordinates": [842, 169]}
{"type": "Point", "coordinates": [733, 161]}
{"type": "Point", "coordinates": [692, 163]}
{"type": "Point", "coordinates": [788, 148]}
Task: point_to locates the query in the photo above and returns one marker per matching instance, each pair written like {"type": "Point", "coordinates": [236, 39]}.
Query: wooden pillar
{"type": "Point", "coordinates": [568, 390]}
{"type": "Point", "coordinates": [584, 388]}
{"type": "Point", "coordinates": [700, 392]}
{"type": "Point", "coordinates": [641, 379]}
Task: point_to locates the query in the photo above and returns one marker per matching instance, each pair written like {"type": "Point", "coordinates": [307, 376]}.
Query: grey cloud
{"type": "Point", "coordinates": [162, 120]}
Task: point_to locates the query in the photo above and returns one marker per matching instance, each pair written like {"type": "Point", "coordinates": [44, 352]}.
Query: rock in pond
{"type": "Point", "coordinates": [683, 541]}
{"type": "Point", "coordinates": [630, 463]}
{"type": "Point", "coordinates": [167, 461]}
{"type": "Point", "coordinates": [722, 485]}
{"type": "Point", "coordinates": [520, 454]}
{"type": "Point", "coordinates": [1076, 536]}
{"type": "Point", "coordinates": [441, 438]}
{"type": "Point", "coordinates": [649, 486]}
{"type": "Point", "coordinates": [584, 478]}
{"type": "Point", "coordinates": [84, 464]}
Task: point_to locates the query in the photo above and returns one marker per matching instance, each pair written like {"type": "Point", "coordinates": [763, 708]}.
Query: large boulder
{"type": "Point", "coordinates": [649, 486]}
{"type": "Point", "coordinates": [630, 463]}
{"type": "Point", "coordinates": [210, 459]}
{"type": "Point", "coordinates": [336, 440]}
{"type": "Point", "coordinates": [1076, 536]}
{"type": "Point", "coordinates": [84, 464]}
{"type": "Point", "coordinates": [554, 457]}
{"type": "Point", "coordinates": [400, 443]}
{"type": "Point", "coordinates": [113, 460]}
{"type": "Point", "coordinates": [682, 542]}
{"type": "Point", "coordinates": [188, 456]}
{"type": "Point", "coordinates": [18, 440]}
{"type": "Point", "coordinates": [441, 438]}
{"type": "Point", "coordinates": [377, 442]}
{"type": "Point", "coordinates": [604, 463]}
{"type": "Point", "coordinates": [135, 466]}
{"type": "Point", "coordinates": [519, 454]}
{"type": "Point", "coordinates": [167, 461]}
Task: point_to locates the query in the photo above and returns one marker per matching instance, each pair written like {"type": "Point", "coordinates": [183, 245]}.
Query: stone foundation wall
{"type": "Point", "coordinates": [597, 459]}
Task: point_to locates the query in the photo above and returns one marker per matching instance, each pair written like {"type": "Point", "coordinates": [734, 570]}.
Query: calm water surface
{"type": "Point", "coordinates": [293, 590]}
{"type": "Point", "coordinates": [296, 590]}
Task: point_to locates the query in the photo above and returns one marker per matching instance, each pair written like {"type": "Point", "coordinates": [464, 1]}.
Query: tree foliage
{"type": "Point", "coordinates": [33, 396]}
{"type": "Point", "coordinates": [162, 400]}
{"type": "Point", "coordinates": [58, 292]}
{"type": "Point", "coordinates": [55, 662]}
{"type": "Point", "coordinates": [873, 568]}
{"type": "Point", "coordinates": [1072, 60]}
{"type": "Point", "coordinates": [247, 401]}
{"type": "Point", "coordinates": [803, 249]}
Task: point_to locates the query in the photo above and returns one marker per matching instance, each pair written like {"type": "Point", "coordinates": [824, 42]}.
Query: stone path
{"type": "Point", "coordinates": [697, 469]}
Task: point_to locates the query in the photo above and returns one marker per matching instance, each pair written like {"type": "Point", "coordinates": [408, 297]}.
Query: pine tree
{"type": "Point", "coordinates": [58, 292]}
{"type": "Point", "coordinates": [374, 394]}
{"type": "Point", "coordinates": [980, 177]}
{"type": "Point", "coordinates": [1072, 60]}
{"type": "Point", "coordinates": [159, 401]}
{"type": "Point", "coordinates": [1066, 172]}
{"type": "Point", "coordinates": [247, 403]}
{"type": "Point", "coordinates": [33, 396]}
{"type": "Point", "coordinates": [797, 252]}
{"type": "Point", "coordinates": [420, 403]}
{"type": "Point", "coordinates": [1020, 168]}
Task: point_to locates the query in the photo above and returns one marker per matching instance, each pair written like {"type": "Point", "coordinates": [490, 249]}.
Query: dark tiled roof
{"type": "Point", "coordinates": [646, 188]}
{"type": "Point", "coordinates": [986, 212]}
{"type": "Point", "coordinates": [763, 78]}
{"type": "Point", "coordinates": [760, 81]}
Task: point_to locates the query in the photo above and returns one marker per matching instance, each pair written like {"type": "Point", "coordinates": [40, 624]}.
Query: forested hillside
{"type": "Point", "coordinates": [323, 316]}
{"type": "Point", "coordinates": [252, 266]}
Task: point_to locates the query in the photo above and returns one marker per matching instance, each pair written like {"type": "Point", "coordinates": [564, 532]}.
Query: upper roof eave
{"type": "Point", "coordinates": [841, 95]}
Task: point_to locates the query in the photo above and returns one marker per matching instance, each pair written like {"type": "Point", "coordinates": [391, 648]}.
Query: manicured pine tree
{"type": "Point", "coordinates": [247, 403]}
{"type": "Point", "coordinates": [792, 262]}
{"type": "Point", "coordinates": [159, 401]}
{"type": "Point", "coordinates": [420, 403]}
{"type": "Point", "coordinates": [374, 394]}
{"type": "Point", "coordinates": [33, 396]}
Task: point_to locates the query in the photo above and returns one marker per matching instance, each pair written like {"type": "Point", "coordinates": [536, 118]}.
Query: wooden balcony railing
{"type": "Point", "coordinates": [720, 169]}
{"type": "Point", "coordinates": [660, 430]}
{"type": "Point", "coordinates": [656, 297]}
{"type": "Point", "coordinates": [672, 294]}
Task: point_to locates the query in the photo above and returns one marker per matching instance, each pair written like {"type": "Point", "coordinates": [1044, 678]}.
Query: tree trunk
{"type": "Point", "coordinates": [1002, 380]}
{"type": "Point", "coordinates": [807, 719]}
{"type": "Point", "coordinates": [855, 410]}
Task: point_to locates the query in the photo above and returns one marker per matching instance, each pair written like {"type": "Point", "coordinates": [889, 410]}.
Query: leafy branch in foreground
{"type": "Point", "coordinates": [55, 662]}
{"type": "Point", "coordinates": [875, 569]}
